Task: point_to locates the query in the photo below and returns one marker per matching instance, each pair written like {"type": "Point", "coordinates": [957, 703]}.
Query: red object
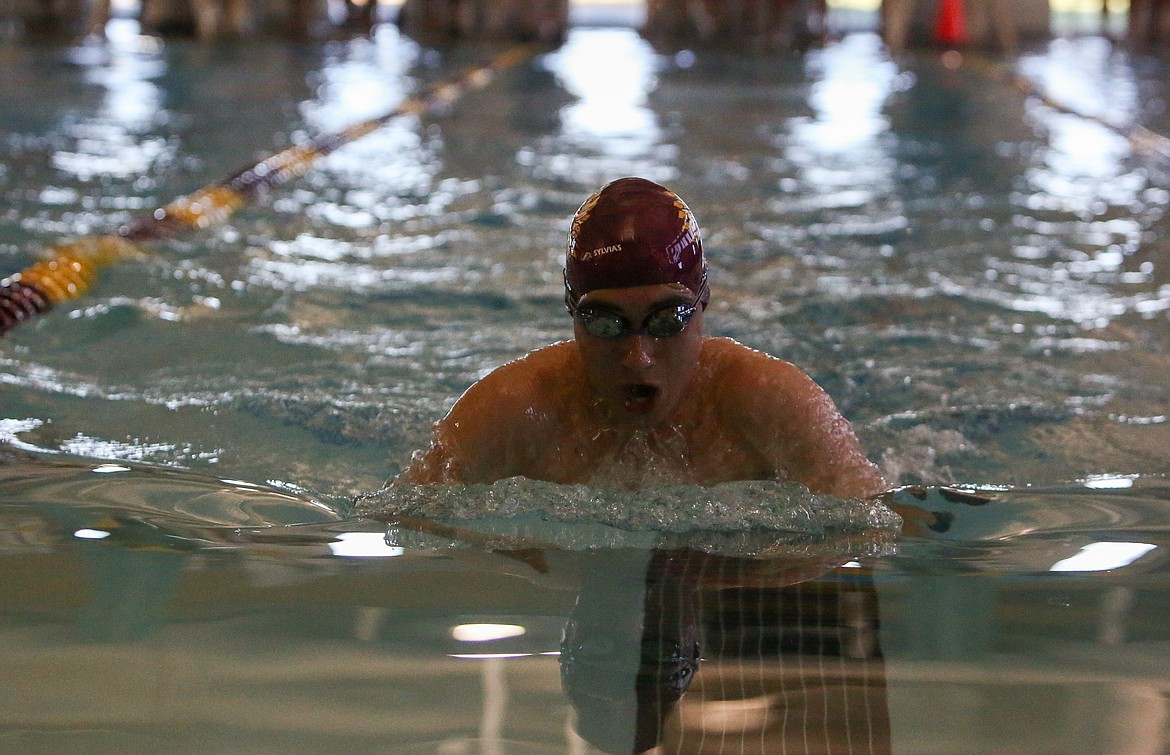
{"type": "Point", "coordinates": [634, 232]}
{"type": "Point", "coordinates": [952, 27]}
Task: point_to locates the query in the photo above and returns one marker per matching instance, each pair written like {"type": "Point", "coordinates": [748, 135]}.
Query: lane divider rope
{"type": "Point", "coordinates": [1145, 142]}
{"type": "Point", "coordinates": [69, 269]}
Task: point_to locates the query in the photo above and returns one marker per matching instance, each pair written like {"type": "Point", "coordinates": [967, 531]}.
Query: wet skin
{"type": "Point", "coordinates": [639, 411]}
{"type": "Point", "coordinates": [637, 379]}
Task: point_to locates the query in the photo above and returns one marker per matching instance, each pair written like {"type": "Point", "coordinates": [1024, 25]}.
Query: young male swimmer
{"type": "Point", "coordinates": [640, 397]}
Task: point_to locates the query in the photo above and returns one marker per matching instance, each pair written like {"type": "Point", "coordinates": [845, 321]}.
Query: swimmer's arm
{"type": "Point", "coordinates": [797, 428]}
{"type": "Point", "coordinates": [477, 441]}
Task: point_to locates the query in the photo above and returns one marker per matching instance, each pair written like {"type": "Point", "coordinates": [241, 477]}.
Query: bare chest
{"type": "Point", "coordinates": [699, 454]}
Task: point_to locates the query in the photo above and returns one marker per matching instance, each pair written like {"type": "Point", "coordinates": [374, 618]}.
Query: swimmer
{"type": "Point", "coordinates": [641, 397]}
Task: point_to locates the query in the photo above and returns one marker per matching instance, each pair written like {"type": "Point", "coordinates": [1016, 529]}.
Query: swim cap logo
{"type": "Point", "coordinates": [579, 220]}
{"type": "Point", "coordinates": [687, 234]}
{"type": "Point", "coordinates": [599, 251]}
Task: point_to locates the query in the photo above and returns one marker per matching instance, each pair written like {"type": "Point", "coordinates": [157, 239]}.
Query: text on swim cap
{"type": "Point", "coordinates": [599, 252]}
{"type": "Point", "coordinates": [688, 233]}
{"type": "Point", "coordinates": [682, 242]}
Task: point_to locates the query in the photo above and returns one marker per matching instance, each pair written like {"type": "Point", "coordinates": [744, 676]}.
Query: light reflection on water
{"type": "Point", "coordinates": [977, 278]}
{"type": "Point", "coordinates": [611, 85]}
{"type": "Point", "coordinates": [851, 82]}
{"type": "Point", "coordinates": [244, 614]}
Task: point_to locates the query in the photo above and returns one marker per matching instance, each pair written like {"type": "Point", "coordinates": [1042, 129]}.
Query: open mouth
{"type": "Point", "coordinates": [640, 397]}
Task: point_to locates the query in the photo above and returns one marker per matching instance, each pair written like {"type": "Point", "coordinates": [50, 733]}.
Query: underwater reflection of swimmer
{"type": "Point", "coordinates": [792, 663]}
{"type": "Point", "coordinates": [696, 639]}
{"type": "Point", "coordinates": [629, 652]}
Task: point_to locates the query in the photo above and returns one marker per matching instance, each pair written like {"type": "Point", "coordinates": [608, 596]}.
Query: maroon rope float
{"type": "Point", "coordinates": [70, 269]}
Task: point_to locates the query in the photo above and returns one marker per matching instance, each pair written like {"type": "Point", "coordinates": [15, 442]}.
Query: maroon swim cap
{"type": "Point", "coordinates": [634, 232]}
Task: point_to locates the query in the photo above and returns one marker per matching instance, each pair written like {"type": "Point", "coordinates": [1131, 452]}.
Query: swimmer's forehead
{"type": "Point", "coordinates": [650, 296]}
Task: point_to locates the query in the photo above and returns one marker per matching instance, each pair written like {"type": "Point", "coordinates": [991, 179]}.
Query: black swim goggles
{"type": "Point", "coordinates": [661, 323]}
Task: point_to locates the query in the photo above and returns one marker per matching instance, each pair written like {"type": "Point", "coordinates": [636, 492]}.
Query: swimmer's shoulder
{"type": "Point", "coordinates": [497, 424]}
{"type": "Point", "coordinates": [539, 365]}
{"type": "Point", "coordinates": [554, 356]}
{"type": "Point", "coordinates": [791, 420]}
{"type": "Point", "coordinates": [534, 379]}
{"type": "Point", "coordinates": [729, 360]}
{"type": "Point", "coordinates": [754, 386]}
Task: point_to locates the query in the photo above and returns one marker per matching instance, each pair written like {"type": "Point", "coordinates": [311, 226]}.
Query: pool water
{"type": "Point", "coordinates": [194, 553]}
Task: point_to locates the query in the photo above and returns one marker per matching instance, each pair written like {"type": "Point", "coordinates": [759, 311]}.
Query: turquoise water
{"type": "Point", "coordinates": [979, 279]}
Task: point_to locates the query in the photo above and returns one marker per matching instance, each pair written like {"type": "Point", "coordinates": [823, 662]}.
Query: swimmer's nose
{"type": "Point", "coordinates": [637, 352]}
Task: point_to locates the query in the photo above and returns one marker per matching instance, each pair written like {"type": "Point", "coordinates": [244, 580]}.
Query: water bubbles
{"type": "Point", "coordinates": [743, 518]}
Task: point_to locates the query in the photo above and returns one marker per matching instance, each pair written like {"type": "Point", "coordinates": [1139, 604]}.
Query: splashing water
{"type": "Point", "coordinates": [978, 279]}
{"type": "Point", "coordinates": [743, 518]}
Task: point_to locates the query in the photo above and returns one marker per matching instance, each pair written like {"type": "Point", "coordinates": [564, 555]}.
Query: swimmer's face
{"type": "Point", "coordinates": [636, 375]}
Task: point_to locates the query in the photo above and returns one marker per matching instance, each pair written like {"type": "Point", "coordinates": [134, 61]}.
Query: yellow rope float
{"type": "Point", "coordinates": [70, 269]}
